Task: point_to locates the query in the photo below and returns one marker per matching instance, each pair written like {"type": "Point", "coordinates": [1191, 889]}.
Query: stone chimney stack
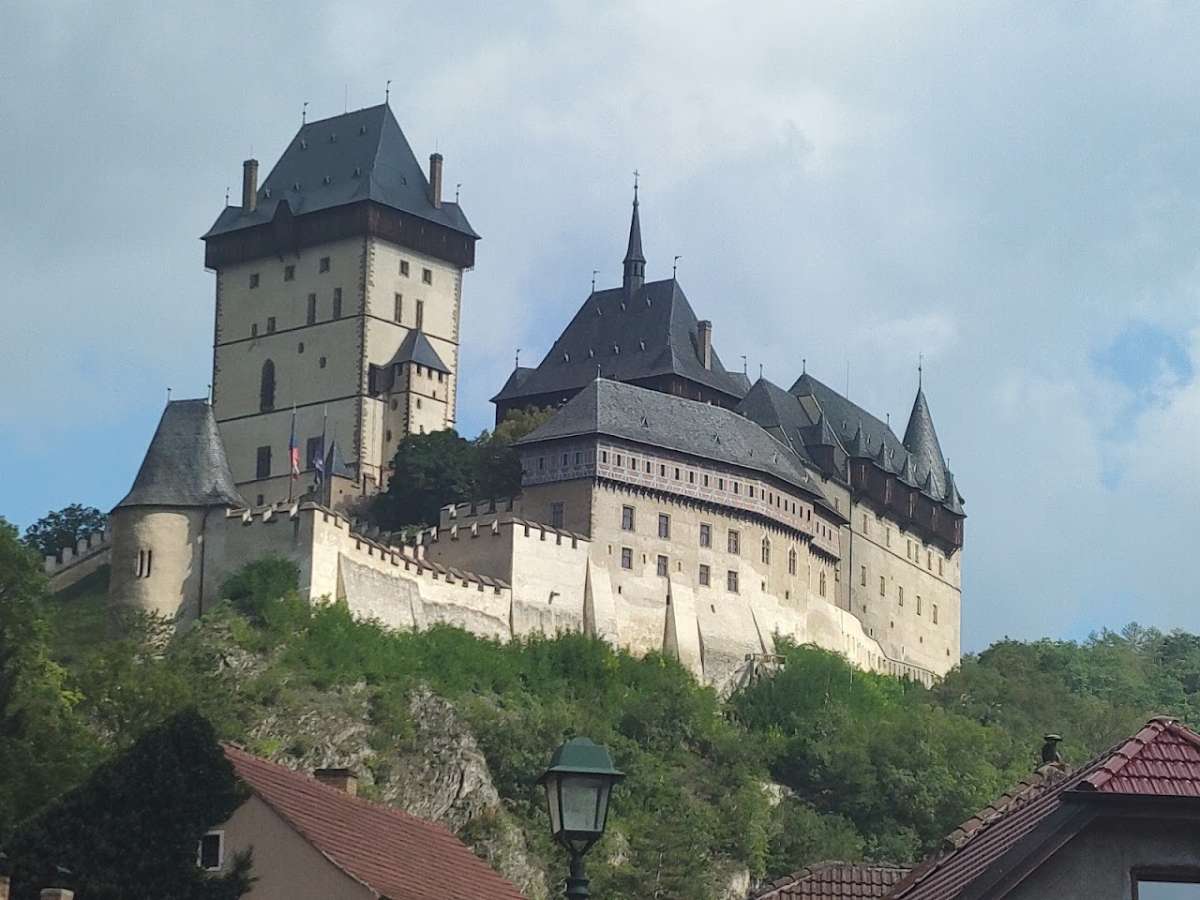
{"type": "Point", "coordinates": [704, 327]}
{"type": "Point", "coordinates": [339, 779]}
{"type": "Point", "coordinates": [435, 180]}
{"type": "Point", "coordinates": [249, 185]}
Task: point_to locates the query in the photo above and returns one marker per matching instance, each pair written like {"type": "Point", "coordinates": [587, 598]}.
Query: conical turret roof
{"type": "Point", "coordinates": [922, 442]}
{"type": "Point", "coordinates": [186, 463]}
{"type": "Point", "coordinates": [633, 253]}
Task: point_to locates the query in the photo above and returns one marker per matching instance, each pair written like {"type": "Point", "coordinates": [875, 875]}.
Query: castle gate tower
{"type": "Point", "coordinates": [338, 293]}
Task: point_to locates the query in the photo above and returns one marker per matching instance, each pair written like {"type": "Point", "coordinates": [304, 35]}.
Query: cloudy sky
{"type": "Point", "coordinates": [1012, 190]}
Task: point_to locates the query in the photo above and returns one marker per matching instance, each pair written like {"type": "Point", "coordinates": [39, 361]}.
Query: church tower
{"type": "Point", "coordinates": [338, 298]}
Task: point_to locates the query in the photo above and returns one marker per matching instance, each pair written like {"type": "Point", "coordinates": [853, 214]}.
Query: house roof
{"type": "Point", "coordinates": [1161, 760]}
{"type": "Point", "coordinates": [394, 854]}
{"type": "Point", "coordinates": [185, 464]}
{"type": "Point", "coordinates": [650, 417]}
{"type": "Point", "coordinates": [626, 338]}
{"type": "Point", "coordinates": [360, 155]}
{"type": "Point", "coordinates": [835, 881]}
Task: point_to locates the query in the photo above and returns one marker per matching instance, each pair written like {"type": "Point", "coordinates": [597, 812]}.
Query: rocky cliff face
{"type": "Point", "coordinates": [436, 770]}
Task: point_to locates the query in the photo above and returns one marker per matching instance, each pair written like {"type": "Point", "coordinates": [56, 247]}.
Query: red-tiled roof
{"type": "Point", "coordinates": [835, 881]}
{"type": "Point", "coordinates": [396, 855]}
{"type": "Point", "coordinates": [1161, 760]}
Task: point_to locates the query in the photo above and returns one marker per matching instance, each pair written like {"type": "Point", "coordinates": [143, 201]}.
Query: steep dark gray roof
{"type": "Point", "coordinates": [661, 420]}
{"type": "Point", "coordinates": [416, 348]}
{"type": "Point", "coordinates": [627, 339]}
{"type": "Point", "coordinates": [779, 412]}
{"type": "Point", "coordinates": [922, 442]}
{"type": "Point", "coordinates": [844, 417]}
{"type": "Point", "coordinates": [361, 155]}
{"type": "Point", "coordinates": [185, 464]}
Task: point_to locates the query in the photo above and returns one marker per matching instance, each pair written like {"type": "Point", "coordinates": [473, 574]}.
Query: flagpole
{"type": "Point", "coordinates": [324, 456]}
{"type": "Point", "coordinates": [292, 458]}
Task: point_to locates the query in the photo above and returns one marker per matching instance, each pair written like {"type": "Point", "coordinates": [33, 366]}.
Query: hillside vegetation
{"type": "Point", "coordinates": [816, 762]}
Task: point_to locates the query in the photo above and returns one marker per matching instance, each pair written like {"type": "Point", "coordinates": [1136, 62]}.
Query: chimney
{"type": "Point", "coordinates": [704, 327]}
{"type": "Point", "coordinates": [339, 779]}
{"type": "Point", "coordinates": [435, 180]}
{"type": "Point", "coordinates": [249, 185]}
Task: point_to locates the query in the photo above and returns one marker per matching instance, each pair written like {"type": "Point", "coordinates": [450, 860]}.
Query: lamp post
{"type": "Point", "coordinates": [578, 785]}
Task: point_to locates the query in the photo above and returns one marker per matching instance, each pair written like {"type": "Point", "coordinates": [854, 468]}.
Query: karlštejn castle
{"type": "Point", "coordinates": [669, 504]}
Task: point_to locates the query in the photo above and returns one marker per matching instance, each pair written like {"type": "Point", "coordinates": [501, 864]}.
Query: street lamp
{"type": "Point", "coordinates": [578, 785]}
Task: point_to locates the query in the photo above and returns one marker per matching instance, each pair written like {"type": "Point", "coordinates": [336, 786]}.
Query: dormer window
{"type": "Point", "coordinates": [566, 357]}
{"type": "Point", "coordinates": [616, 350]}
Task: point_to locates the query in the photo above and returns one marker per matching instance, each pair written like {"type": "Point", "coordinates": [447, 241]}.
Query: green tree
{"type": "Point", "coordinates": [42, 746]}
{"type": "Point", "coordinates": [132, 828]}
{"type": "Point", "coordinates": [55, 531]}
{"type": "Point", "coordinates": [430, 470]}
{"type": "Point", "coordinates": [499, 462]}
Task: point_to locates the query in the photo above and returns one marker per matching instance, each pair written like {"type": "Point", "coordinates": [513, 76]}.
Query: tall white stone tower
{"type": "Point", "coordinates": [338, 295]}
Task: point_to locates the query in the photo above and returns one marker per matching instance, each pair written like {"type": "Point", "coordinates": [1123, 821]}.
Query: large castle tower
{"type": "Point", "coordinates": [338, 294]}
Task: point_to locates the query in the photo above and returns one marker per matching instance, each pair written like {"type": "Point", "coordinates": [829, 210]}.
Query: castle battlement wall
{"type": "Point", "coordinates": [75, 563]}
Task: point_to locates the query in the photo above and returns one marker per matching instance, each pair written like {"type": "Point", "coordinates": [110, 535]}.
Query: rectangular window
{"type": "Point", "coordinates": [541, 463]}
{"type": "Point", "coordinates": [1184, 886]}
{"type": "Point", "coordinates": [262, 462]}
{"type": "Point", "coordinates": [558, 514]}
{"type": "Point", "coordinates": [427, 276]}
{"type": "Point", "coordinates": [578, 458]}
{"type": "Point", "coordinates": [311, 316]}
{"type": "Point", "coordinates": [627, 520]}
{"type": "Point", "coordinates": [691, 477]}
{"type": "Point", "coordinates": [900, 595]}
{"type": "Point", "coordinates": [862, 574]}
{"type": "Point", "coordinates": [420, 314]}
{"type": "Point", "coordinates": [791, 562]}
{"type": "Point", "coordinates": [864, 523]}
{"type": "Point", "coordinates": [888, 536]}
{"type": "Point", "coordinates": [323, 265]}
{"type": "Point", "coordinates": [662, 471]}
{"type": "Point", "coordinates": [603, 456]}
{"type": "Point", "coordinates": [941, 570]}
{"type": "Point", "coordinates": [720, 484]}
{"type": "Point", "coordinates": [918, 604]}
{"type": "Point", "coordinates": [253, 280]}
{"type": "Point", "coordinates": [737, 488]}
{"type": "Point", "coordinates": [751, 492]}
{"type": "Point", "coordinates": [626, 557]}
{"type": "Point", "coordinates": [664, 526]}
{"type": "Point", "coordinates": [662, 566]}
{"type": "Point", "coordinates": [706, 481]}
{"type": "Point", "coordinates": [933, 612]}
{"type": "Point", "coordinates": [705, 535]}
{"type": "Point", "coordinates": [270, 324]}
{"type": "Point", "coordinates": [735, 542]}
{"type": "Point", "coordinates": [731, 581]}
{"type": "Point", "coordinates": [210, 851]}
{"type": "Point", "coordinates": [337, 303]}
{"type": "Point", "coordinates": [144, 563]}
{"type": "Point", "coordinates": [289, 273]}
{"type": "Point", "coordinates": [404, 267]}
{"type": "Point", "coordinates": [705, 575]}
{"type": "Point", "coordinates": [928, 561]}
{"type": "Point", "coordinates": [882, 586]}
{"type": "Point", "coordinates": [398, 308]}
{"type": "Point", "coordinates": [312, 449]}
{"type": "Point", "coordinates": [908, 549]}
{"type": "Point", "coordinates": [253, 329]}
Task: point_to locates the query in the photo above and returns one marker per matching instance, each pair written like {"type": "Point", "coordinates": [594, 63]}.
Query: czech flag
{"type": "Point", "coordinates": [294, 449]}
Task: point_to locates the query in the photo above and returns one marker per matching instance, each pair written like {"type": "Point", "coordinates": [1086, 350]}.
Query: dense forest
{"type": "Point", "coordinates": [816, 761]}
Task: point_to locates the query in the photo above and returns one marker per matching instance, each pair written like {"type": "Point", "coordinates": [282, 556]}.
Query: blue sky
{"type": "Point", "coordinates": [1011, 190]}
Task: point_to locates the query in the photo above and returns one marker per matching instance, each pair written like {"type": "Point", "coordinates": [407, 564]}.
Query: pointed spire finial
{"type": "Point", "coordinates": [387, 93]}
{"type": "Point", "coordinates": [517, 359]}
{"type": "Point", "coordinates": [920, 370]}
{"type": "Point", "coordinates": [636, 175]}
{"type": "Point", "coordinates": [745, 371]}
{"type": "Point", "coordinates": [675, 265]}
{"type": "Point", "coordinates": [304, 113]}
{"type": "Point", "coordinates": [595, 272]}
{"type": "Point", "coordinates": [804, 365]}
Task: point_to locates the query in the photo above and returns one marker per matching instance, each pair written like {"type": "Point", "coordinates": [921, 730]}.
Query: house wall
{"type": "Point", "coordinates": [285, 865]}
{"type": "Point", "coordinates": [1099, 862]}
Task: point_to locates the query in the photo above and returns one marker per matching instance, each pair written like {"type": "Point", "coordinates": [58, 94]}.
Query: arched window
{"type": "Point", "coordinates": [766, 550]}
{"type": "Point", "coordinates": [792, 561]}
{"type": "Point", "coordinates": [822, 584]}
{"type": "Point", "coordinates": [266, 387]}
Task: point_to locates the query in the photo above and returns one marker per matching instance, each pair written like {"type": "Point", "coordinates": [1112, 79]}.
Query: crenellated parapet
{"type": "Point", "coordinates": [73, 563]}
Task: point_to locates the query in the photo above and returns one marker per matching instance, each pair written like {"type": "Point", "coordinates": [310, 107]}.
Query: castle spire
{"type": "Point", "coordinates": [635, 260]}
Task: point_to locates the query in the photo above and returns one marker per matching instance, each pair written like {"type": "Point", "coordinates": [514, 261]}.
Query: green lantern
{"type": "Point", "coordinates": [578, 787]}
